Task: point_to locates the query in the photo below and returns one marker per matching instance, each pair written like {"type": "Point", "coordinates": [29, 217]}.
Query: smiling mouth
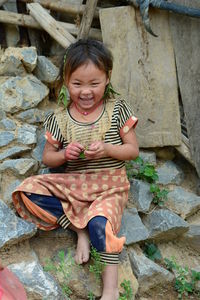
{"type": "Point", "coordinates": [86, 101]}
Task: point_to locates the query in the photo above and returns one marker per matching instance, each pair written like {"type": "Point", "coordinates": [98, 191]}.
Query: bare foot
{"type": "Point", "coordinates": [110, 295]}
{"type": "Point", "coordinates": [83, 247]}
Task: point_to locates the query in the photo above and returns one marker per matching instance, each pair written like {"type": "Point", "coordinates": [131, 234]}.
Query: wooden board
{"type": "Point", "coordinates": [48, 23]}
{"type": "Point", "coordinates": [186, 40]}
{"type": "Point", "coordinates": [144, 72]}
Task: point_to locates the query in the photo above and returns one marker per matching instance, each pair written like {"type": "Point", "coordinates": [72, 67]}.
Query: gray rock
{"type": "Point", "coordinates": [140, 195]}
{"type": "Point", "coordinates": [38, 150]}
{"type": "Point", "coordinates": [44, 171]}
{"type": "Point", "coordinates": [14, 151]}
{"type": "Point", "coordinates": [26, 55]}
{"type": "Point", "coordinates": [13, 229]}
{"type": "Point", "coordinates": [26, 134]}
{"type": "Point", "coordinates": [21, 166]}
{"type": "Point", "coordinates": [2, 115]}
{"type": "Point", "coordinates": [31, 116]}
{"type": "Point", "coordinates": [7, 124]}
{"type": "Point", "coordinates": [45, 70]}
{"type": "Point", "coordinates": [36, 281]}
{"type": "Point", "coordinates": [132, 227]}
{"type": "Point", "coordinates": [170, 173]}
{"type": "Point", "coordinates": [21, 93]}
{"type": "Point", "coordinates": [148, 156]}
{"type": "Point", "coordinates": [7, 196]}
{"type": "Point", "coordinates": [11, 66]}
{"type": "Point", "coordinates": [183, 202]}
{"type": "Point", "coordinates": [148, 273]}
{"type": "Point", "coordinates": [6, 138]}
{"type": "Point", "coordinates": [29, 58]}
{"type": "Point", "coordinates": [192, 237]}
{"type": "Point", "coordinates": [125, 273]}
{"type": "Point", "coordinates": [163, 224]}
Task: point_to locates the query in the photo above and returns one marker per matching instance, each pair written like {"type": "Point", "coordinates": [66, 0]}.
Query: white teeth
{"type": "Point", "coordinates": [86, 99]}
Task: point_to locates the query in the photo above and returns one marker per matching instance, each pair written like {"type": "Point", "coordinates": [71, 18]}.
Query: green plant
{"type": "Point", "coordinates": [185, 279]}
{"type": "Point", "coordinates": [139, 169]}
{"type": "Point", "coordinates": [63, 267]}
{"type": "Point", "coordinates": [91, 296]}
{"type": "Point", "coordinates": [128, 291]}
{"type": "Point", "coordinates": [159, 196]}
{"type": "Point", "coordinates": [152, 251]}
{"type": "Point", "coordinates": [97, 266]}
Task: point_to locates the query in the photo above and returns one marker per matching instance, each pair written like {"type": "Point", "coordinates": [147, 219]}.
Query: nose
{"type": "Point", "coordinates": [86, 90]}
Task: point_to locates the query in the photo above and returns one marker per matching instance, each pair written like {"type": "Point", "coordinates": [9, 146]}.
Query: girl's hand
{"type": "Point", "coordinates": [73, 151]}
{"type": "Point", "coordinates": [96, 150]}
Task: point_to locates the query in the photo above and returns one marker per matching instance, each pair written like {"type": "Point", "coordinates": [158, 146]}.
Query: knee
{"type": "Point", "coordinates": [96, 227]}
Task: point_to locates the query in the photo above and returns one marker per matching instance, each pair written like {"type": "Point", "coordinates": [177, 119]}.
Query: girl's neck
{"type": "Point", "coordinates": [87, 112]}
{"type": "Point", "coordinates": [88, 115]}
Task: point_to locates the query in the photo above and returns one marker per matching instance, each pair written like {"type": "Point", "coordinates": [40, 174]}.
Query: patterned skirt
{"type": "Point", "coordinates": [83, 196]}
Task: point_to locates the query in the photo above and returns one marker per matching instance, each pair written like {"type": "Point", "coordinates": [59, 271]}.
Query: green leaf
{"type": "Point", "coordinates": [82, 155]}
{"type": "Point", "coordinates": [63, 96]}
{"type": "Point", "coordinates": [139, 160]}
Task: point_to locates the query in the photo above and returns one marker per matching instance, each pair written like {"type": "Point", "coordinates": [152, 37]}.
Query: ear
{"type": "Point", "coordinates": [109, 76]}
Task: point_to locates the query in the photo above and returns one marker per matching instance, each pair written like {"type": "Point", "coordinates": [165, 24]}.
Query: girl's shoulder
{"type": "Point", "coordinates": [56, 116]}
{"type": "Point", "coordinates": [119, 104]}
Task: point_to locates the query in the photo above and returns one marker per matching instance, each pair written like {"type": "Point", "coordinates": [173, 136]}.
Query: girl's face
{"type": "Point", "coordinates": [86, 85]}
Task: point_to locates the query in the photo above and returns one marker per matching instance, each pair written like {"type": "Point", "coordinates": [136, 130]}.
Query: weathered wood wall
{"type": "Point", "coordinates": [186, 41]}
{"type": "Point", "coordinates": [144, 72]}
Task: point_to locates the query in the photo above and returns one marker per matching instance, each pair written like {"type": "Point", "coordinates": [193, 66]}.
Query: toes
{"type": "Point", "coordinates": [85, 259]}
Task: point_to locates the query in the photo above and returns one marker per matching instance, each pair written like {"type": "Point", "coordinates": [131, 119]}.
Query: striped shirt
{"type": "Point", "coordinates": [86, 133]}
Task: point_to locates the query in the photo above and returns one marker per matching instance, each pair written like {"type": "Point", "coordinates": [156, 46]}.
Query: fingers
{"type": "Point", "coordinates": [95, 151]}
{"type": "Point", "coordinates": [73, 151]}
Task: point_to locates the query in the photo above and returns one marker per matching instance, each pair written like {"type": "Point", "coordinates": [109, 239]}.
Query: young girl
{"type": "Point", "coordinates": [91, 138]}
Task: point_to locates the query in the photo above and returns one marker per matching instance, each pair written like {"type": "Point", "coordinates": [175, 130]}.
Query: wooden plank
{"type": "Point", "coordinates": [184, 150]}
{"type": "Point", "coordinates": [188, 65]}
{"type": "Point", "coordinates": [144, 73]}
{"type": "Point", "coordinates": [2, 2]}
{"type": "Point", "coordinates": [87, 19]}
{"type": "Point", "coordinates": [60, 6]}
{"type": "Point", "coordinates": [48, 23]}
{"type": "Point", "coordinates": [28, 21]}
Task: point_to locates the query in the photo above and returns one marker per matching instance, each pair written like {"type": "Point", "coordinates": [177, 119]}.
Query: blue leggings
{"type": "Point", "coordinates": [100, 230]}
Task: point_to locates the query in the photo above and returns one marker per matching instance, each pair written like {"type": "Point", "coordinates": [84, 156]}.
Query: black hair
{"type": "Point", "coordinates": [83, 51]}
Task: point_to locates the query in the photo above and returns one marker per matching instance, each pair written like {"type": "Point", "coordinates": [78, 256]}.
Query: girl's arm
{"type": "Point", "coordinates": [53, 157]}
{"type": "Point", "coordinates": [127, 151]}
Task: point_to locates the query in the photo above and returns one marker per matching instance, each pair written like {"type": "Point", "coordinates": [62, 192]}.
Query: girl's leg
{"type": "Point", "coordinates": [52, 205]}
{"type": "Point", "coordinates": [109, 246]}
{"type": "Point", "coordinates": [83, 245]}
{"type": "Point", "coordinates": [110, 283]}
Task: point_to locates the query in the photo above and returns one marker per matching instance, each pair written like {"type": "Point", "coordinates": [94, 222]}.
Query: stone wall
{"type": "Point", "coordinates": [24, 99]}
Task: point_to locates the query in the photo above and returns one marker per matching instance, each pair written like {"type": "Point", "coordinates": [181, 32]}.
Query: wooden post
{"type": "Point", "coordinates": [49, 24]}
{"type": "Point", "coordinates": [87, 19]}
{"type": "Point", "coordinates": [23, 32]}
